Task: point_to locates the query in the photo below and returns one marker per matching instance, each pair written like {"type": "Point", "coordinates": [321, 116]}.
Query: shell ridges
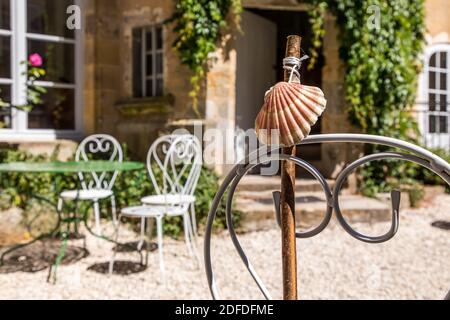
{"type": "Point", "coordinates": [288, 113]}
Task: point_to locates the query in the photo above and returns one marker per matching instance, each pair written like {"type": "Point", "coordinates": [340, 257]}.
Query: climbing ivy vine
{"type": "Point", "coordinates": [199, 25]}
{"type": "Point", "coordinates": [380, 43]}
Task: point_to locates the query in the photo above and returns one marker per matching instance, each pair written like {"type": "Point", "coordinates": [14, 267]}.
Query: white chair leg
{"type": "Point", "coordinates": [98, 229]}
{"type": "Point", "coordinates": [194, 221]}
{"type": "Point", "coordinates": [142, 236]}
{"type": "Point", "coordinates": [60, 204]}
{"type": "Point", "coordinates": [162, 268]}
{"type": "Point", "coordinates": [189, 236]}
{"type": "Point", "coordinates": [116, 240]}
{"type": "Point", "coordinates": [150, 237]}
{"type": "Point", "coordinates": [113, 209]}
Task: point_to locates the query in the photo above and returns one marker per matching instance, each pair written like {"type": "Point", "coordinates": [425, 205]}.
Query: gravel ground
{"type": "Point", "coordinates": [333, 265]}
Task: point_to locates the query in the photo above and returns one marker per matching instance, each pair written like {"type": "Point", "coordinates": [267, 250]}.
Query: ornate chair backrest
{"type": "Point", "coordinates": [174, 164]}
{"type": "Point", "coordinates": [98, 147]}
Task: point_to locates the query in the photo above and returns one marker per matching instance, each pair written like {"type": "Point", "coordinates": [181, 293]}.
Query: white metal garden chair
{"type": "Point", "coordinates": [96, 186]}
{"type": "Point", "coordinates": [174, 164]}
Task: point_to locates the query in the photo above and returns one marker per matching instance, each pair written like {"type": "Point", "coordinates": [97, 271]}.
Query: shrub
{"type": "Point", "coordinates": [408, 177]}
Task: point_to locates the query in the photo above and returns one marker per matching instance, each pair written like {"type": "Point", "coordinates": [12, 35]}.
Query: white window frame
{"type": "Point", "coordinates": [154, 52]}
{"type": "Point", "coordinates": [10, 81]}
{"type": "Point", "coordinates": [19, 119]}
{"type": "Point", "coordinates": [443, 138]}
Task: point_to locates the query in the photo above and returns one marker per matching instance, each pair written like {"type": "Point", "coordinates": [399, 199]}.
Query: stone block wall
{"type": "Point", "coordinates": [109, 103]}
{"type": "Point", "coordinates": [110, 107]}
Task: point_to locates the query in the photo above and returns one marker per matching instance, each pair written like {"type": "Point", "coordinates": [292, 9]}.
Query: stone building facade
{"type": "Point", "coordinates": [109, 103]}
{"type": "Point", "coordinates": [132, 85]}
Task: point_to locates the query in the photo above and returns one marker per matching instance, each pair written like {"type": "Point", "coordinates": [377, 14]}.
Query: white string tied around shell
{"type": "Point", "coordinates": [293, 64]}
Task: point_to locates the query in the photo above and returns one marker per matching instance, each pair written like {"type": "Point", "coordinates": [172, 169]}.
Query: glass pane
{"type": "Point", "coordinates": [149, 39]}
{"type": "Point", "coordinates": [443, 124]}
{"type": "Point", "coordinates": [443, 102]}
{"type": "Point", "coordinates": [137, 63]}
{"type": "Point", "coordinates": [432, 102]}
{"type": "Point", "coordinates": [5, 14]}
{"type": "Point", "coordinates": [443, 81]}
{"type": "Point", "coordinates": [159, 63]}
{"type": "Point", "coordinates": [432, 80]}
{"type": "Point", "coordinates": [432, 124]}
{"type": "Point", "coordinates": [149, 88]}
{"type": "Point", "coordinates": [433, 60]}
{"type": "Point", "coordinates": [59, 60]}
{"type": "Point", "coordinates": [5, 113]}
{"type": "Point", "coordinates": [159, 87]}
{"type": "Point", "coordinates": [5, 57]}
{"type": "Point", "coordinates": [149, 63]}
{"type": "Point", "coordinates": [56, 112]}
{"type": "Point", "coordinates": [49, 17]}
{"type": "Point", "coordinates": [443, 59]}
{"type": "Point", "coordinates": [159, 38]}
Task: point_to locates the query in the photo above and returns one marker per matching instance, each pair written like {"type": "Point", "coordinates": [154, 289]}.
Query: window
{"type": "Point", "coordinates": [438, 91]}
{"type": "Point", "coordinates": [39, 26]}
{"type": "Point", "coordinates": [5, 60]}
{"type": "Point", "coordinates": [148, 62]}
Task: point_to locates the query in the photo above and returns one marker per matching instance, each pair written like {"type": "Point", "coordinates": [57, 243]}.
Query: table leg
{"type": "Point", "coordinates": [76, 220]}
{"type": "Point", "coordinates": [59, 258]}
{"type": "Point", "coordinates": [65, 236]}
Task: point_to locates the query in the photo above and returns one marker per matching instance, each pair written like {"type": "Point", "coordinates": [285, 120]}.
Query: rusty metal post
{"type": "Point", "coordinates": [288, 239]}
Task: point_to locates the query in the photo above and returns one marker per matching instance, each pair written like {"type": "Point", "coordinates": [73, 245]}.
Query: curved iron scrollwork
{"type": "Point", "coordinates": [109, 149]}
{"type": "Point", "coordinates": [410, 152]}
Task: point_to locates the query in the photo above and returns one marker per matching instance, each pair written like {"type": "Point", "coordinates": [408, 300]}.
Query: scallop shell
{"type": "Point", "coordinates": [291, 109]}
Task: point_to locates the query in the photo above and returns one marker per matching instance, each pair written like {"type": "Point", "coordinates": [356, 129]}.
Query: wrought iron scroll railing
{"type": "Point", "coordinates": [409, 152]}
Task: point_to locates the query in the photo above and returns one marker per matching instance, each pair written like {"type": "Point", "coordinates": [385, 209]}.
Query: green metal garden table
{"type": "Point", "coordinates": [70, 166]}
{"type": "Point", "coordinates": [57, 168]}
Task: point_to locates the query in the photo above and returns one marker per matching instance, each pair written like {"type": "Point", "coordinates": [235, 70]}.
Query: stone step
{"type": "Point", "coordinates": [272, 183]}
{"type": "Point", "coordinates": [258, 211]}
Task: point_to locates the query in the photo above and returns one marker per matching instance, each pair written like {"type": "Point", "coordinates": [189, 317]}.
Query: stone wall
{"type": "Point", "coordinates": [103, 65]}
{"type": "Point", "coordinates": [109, 103]}
{"type": "Point", "coordinates": [221, 96]}
{"type": "Point", "coordinates": [334, 119]}
{"type": "Point", "coordinates": [437, 21]}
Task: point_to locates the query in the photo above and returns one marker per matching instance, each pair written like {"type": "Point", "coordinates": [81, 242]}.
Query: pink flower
{"type": "Point", "coordinates": [35, 60]}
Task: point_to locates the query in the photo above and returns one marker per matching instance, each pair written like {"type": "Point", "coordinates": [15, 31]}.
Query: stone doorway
{"type": "Point", "coordinates": [260, 52]}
